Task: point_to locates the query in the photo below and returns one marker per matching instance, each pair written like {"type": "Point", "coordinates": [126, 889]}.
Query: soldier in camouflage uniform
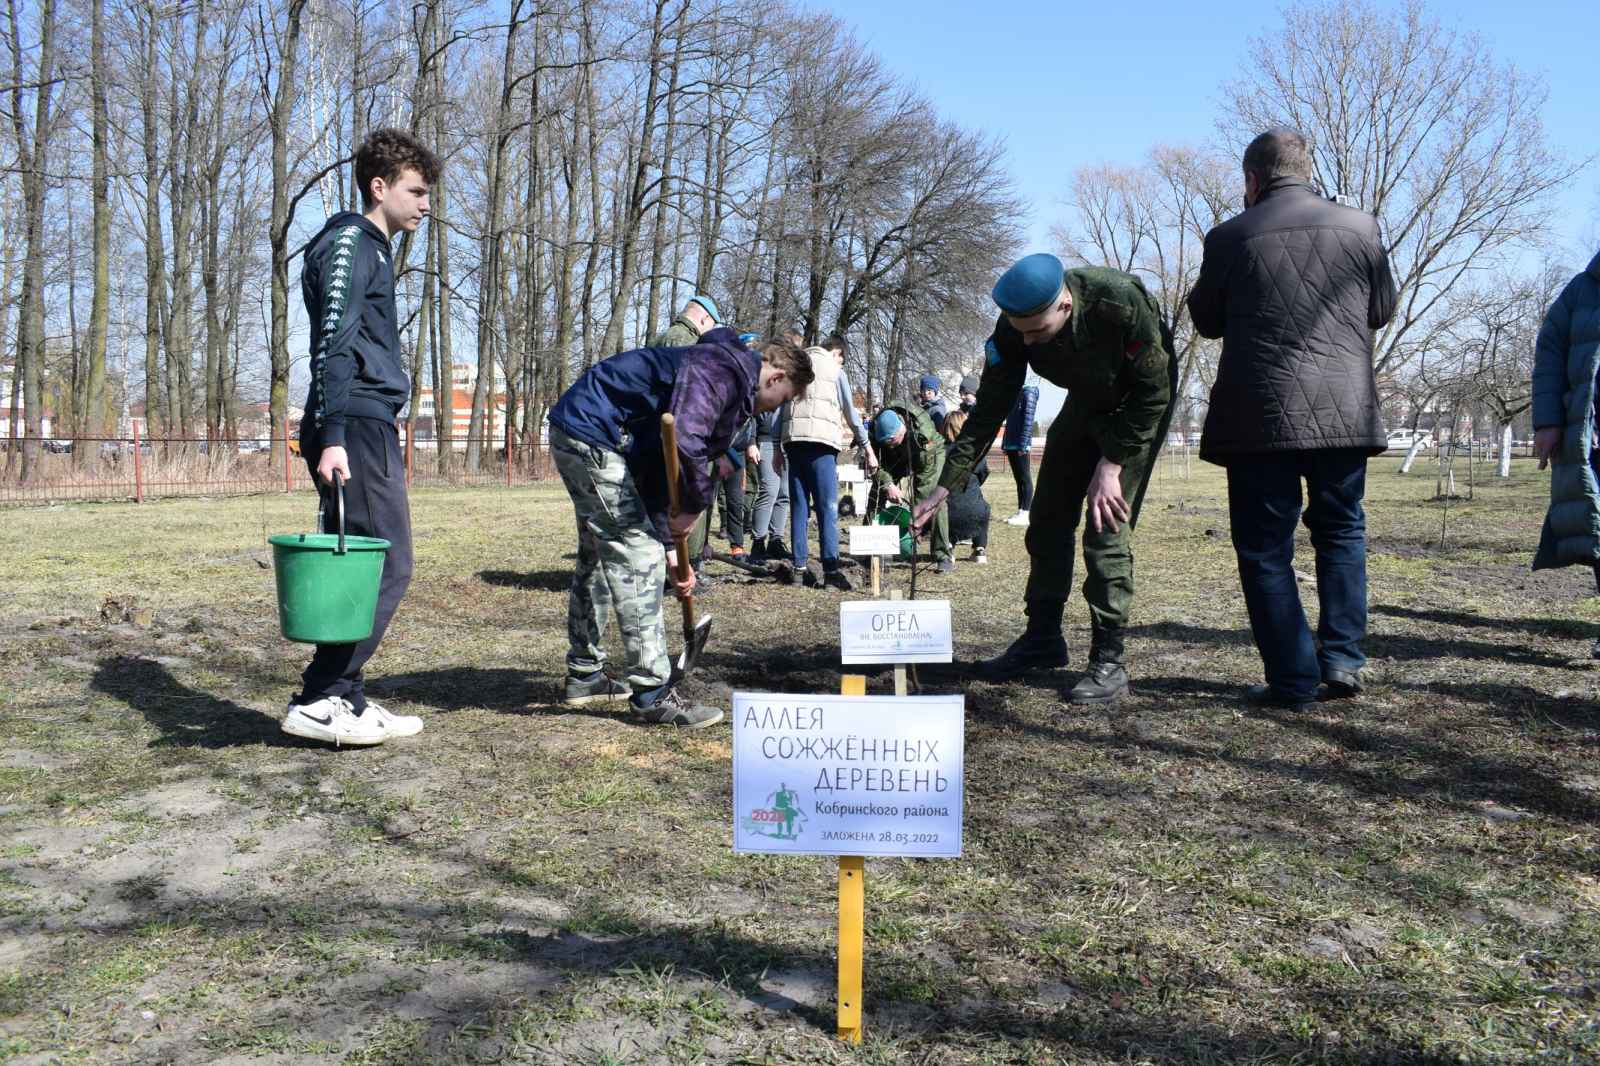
{"type": "Point", "coordinates": [1098, 334]}
{"type": "Point", "coordinates": [910, 446]}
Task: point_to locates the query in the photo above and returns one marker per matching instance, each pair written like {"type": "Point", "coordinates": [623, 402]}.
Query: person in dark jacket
{"type": "Point", "coordinates": [358, 386]}
{"type": "Point", "coordinates": [605, 438]}
{"type": "Point", "coordinates": [1566, 404]}
{"type": "Point", "coordinates": [928, 396]}
{"type": "Point", "coordinates": [969, 511]}
{"type": "Point", "coordinates": [1295, 286]}
{"type": "Point", "coordinates": [1017, 443]}
{"type": "Point", "coordinates": [968, 393]}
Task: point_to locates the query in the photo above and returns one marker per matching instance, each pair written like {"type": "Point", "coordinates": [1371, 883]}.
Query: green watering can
{"type": "Point", "coordinates": [898, 516]}
{"type": "Point", "coordinates": [327, 583]}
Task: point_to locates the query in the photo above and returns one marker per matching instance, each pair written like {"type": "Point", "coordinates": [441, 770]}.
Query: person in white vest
{"type": "Point", "coordinates": [812, 430]}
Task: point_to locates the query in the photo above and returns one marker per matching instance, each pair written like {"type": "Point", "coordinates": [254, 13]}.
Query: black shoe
{"type": "Point", "coordinates": [1341, 684]}
{"type": "Point", "coordinates": [1104, 683]}
{"type": "Point", "coordinates": [1029, 652]}
{"type": "Point", "coordinates": [758, 552]}
{"type": "Point", "coordinates": [836, 579]}
{"type": "Point", "coordinates": [1263, 696]}
{"type": "Point", "coordinates": [777, 549]}
{"type": "Point", "coordinates": [810, 579]}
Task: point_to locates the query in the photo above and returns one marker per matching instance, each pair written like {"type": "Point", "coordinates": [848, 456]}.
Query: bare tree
{"type": "Point", "coordinates": [1151, 222]}
{"type": "Point", "coordinates": [1421, 126]}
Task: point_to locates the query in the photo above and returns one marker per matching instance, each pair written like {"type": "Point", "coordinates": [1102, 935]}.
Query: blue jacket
{"type": "Point", "coordinates": [709, 387]}
{"type": "Point", "coordinates": [1565, 361]}
{"type": "Point", "coordinates": [1019, 423]}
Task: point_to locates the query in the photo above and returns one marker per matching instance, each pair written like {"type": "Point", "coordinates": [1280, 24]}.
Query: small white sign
{"type": "Point", "coordinates": [874, 540]}
{"type": "Point", "coordinates": [850, 474]}
{"type": "Point", "coordinates": [895, 631]}
{"type": "Point", "coordinates": [848, 775]}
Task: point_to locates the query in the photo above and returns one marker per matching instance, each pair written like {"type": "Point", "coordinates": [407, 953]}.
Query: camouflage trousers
{"type": "Point", "coordinates": [621, 566]}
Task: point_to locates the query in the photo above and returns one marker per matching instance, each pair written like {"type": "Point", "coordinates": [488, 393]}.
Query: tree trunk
{"type": "Point", "coordinates": [633, 204]}
{"type": "Point", "coordinates": [445, 379]}
{"type": "Point", "coordinates": [278, 231]}
{"type": "Point", "coordinates": [33, 160]}
{"type": "Point", "coordinates": [663, 189]}
{"type": "Point", "coordinates": [489, 287]}
{"type": "Point", "coordinates": [1411, 454]}
{"type": "Point", "coordinates": [100, 192]}
{"type": "Point", "coordinates": [596, 217]}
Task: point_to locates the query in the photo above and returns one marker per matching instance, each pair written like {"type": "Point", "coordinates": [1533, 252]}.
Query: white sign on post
{"type": "Point", "coordinates": [848, 775]}
{"type": "Point", "coordinates": [874, 540]}
{"type": "Point", "coordinates": [850, 474]}
{"type": "Point", "coordinates": [895, 631]}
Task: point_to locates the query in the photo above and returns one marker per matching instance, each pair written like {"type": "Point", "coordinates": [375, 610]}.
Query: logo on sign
{"type": "Point", "coordinates": [780, 818]}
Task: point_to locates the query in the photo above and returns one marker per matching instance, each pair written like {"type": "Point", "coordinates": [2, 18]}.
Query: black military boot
{"type": "Point", "coordinates": [1107, 679]}
{"type": "Point", "coordinates": [1041, 646]}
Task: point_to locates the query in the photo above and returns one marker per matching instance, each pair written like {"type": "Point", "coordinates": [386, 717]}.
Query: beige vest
{"type": "Point", "coordinates": [817, 417]}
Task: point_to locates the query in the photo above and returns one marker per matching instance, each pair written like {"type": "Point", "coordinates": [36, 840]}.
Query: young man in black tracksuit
{"type": "Point", "coordinates": [358, 386]}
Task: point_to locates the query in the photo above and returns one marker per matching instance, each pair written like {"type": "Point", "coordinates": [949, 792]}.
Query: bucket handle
{"type": "Point", "coordinates": [322, 526]}
{"type": "Point", "coordinates": [338, 486]}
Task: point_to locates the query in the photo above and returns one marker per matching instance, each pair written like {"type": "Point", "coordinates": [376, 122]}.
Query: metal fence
{"type": "Point", "coordinates": [135, 469]}
{"type": "Point", "coordinates": [128, 468]}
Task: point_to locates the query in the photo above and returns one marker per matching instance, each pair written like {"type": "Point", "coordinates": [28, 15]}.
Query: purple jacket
{"type": "Point", "coordinates": [710, 388]}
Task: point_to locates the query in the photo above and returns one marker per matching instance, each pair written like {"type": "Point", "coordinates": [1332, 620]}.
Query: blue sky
{"type": "Point", "coordinates": [1069, 84]}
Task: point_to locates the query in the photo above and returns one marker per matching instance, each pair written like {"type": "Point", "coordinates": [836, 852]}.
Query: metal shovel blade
{"type": "Point", "coordinates": [693, 644]}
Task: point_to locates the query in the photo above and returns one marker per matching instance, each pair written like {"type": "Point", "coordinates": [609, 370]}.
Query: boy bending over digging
{"type": "Point", "coordinates": [605, 437]}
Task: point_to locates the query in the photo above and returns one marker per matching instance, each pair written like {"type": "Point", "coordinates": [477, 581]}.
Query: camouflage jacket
{"type": "Point", "coordinates": [1110, 357]}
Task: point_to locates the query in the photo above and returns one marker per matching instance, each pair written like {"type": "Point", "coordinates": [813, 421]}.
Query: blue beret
{"type": "Point", "coordinates": [710, 305]}
{"type": "Point", "coordinates": [928, 381]}
{"type": "Point", "coordinates": [886, 425]}
{"type": "Point", "coordinates": [746, 338]}
{"type": "Point", "coordinates": [1030, 285]}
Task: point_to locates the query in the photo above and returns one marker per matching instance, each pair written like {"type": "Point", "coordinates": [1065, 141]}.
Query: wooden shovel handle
{"type": "Point", "coordinates": [669, 453]}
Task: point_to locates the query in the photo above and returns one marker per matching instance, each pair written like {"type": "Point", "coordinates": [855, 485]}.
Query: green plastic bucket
{"type": "Point", "coordinates": [898, 516]}
{"type": "Point", "coordinates": [327, 584]}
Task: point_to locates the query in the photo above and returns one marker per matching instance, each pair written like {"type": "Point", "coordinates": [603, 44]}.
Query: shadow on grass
{"type": "Point", "coordinates": [1517, 703]}
{"type": "Point", "coordinates": [1105, 1013]}
{"type": "Point", "coordinates": [1548, 627]}
{"type": "Point", "coordinates": [536, 581]}
{"type": "Point", "coordinates": [502, 689]}
{"type": "Point", "coordinates": [1388, 646]}
{"type": "Point", "coordinates": [186, 716]}
{"type": "Point", "coordinates": [1408, 765]}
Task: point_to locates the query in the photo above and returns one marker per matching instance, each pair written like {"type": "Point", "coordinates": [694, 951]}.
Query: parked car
{"type": "Point", "coordinates": [1403, 439]}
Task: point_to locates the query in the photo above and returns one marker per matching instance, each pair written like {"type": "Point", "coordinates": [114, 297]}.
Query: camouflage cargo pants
{"type": "Point", "coordinates": [621, 566]}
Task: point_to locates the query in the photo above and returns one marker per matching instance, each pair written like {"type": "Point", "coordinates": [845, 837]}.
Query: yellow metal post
{"type": "Point", "coordinates": [852, 915]}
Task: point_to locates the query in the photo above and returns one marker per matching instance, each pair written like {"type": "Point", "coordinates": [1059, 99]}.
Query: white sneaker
{"type": "Point", "coordinates": [394, 725]}
{"type": "Point", "coordinates": [329, 719]}
{"type": "Point", "coordinates": [1018, 519]}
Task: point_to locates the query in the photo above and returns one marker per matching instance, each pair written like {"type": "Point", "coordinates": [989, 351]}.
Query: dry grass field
{"type": "Point", "coordinates": [1410, 877]}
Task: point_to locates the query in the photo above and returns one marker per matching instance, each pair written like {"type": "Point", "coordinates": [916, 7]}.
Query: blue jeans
{"type": "Point", "coordinates": [1264, 505]}
{"type": "Point", "coordinates": [813, 479]}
